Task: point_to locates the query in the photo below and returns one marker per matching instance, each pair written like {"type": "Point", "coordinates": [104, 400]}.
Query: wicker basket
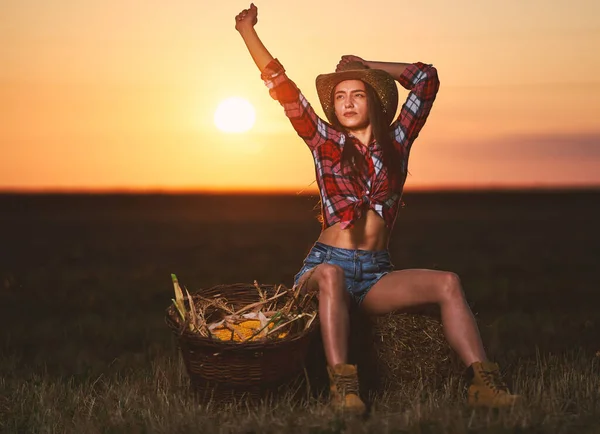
{"type": "Point", "coordinates": [224, 371]}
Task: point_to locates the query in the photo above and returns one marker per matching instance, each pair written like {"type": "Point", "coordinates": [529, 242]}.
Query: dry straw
{"type": "Point", "coordinates": [274, 315]}
{"type": "Point", "coordinates": [411, 348]}
{"type": "Point", "coordinates": [393, 352]}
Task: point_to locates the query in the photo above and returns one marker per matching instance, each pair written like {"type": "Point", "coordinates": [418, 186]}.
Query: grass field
{"type": "Point", "coordinates": [85, 280]}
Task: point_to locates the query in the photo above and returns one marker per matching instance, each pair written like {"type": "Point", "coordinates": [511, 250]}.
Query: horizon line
{"type": "Point", "coordinates": [305, 192]}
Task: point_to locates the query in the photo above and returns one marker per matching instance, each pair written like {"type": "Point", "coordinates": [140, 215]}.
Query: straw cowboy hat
{"type": "Point", "coordinates": [382, 82]}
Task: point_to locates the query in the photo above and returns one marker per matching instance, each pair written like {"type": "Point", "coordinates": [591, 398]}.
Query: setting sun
{"type": "Point", "coordinates": [234, 115]}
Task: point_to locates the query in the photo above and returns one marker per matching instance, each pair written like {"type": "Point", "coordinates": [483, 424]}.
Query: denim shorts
{"type": "Point", "coordinates": [362, 268]}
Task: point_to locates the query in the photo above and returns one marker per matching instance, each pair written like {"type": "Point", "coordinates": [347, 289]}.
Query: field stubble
{"type": "Point", "coordinates": [84, 281]}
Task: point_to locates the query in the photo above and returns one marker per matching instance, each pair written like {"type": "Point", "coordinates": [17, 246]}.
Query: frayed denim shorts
{"type": "Point", "coordinates": [362, 268]}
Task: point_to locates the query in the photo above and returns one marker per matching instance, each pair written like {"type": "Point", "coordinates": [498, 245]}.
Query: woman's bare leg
{"type": "Point", "coordinates": [407, 288]}
{"type": "Point", "coordinates": [334, 304]}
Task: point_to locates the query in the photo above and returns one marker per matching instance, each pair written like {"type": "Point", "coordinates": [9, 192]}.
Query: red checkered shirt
{"type": "Point", "coordinates": [344, 198]}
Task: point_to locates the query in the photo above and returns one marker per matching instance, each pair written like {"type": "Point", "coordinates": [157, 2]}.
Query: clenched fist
{"type": "Point", "coordinates": [247, 18]}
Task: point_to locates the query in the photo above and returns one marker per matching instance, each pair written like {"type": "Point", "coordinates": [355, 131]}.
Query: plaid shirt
{"type": "Point", "coordinates": [344, 198]}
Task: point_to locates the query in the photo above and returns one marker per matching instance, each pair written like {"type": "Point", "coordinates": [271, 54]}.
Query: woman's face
{"type": "Point", "coordinates": [350, 104]}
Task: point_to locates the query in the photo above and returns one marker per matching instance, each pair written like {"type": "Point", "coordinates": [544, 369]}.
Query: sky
{"type": "Point", "coordinates": [121, 94]}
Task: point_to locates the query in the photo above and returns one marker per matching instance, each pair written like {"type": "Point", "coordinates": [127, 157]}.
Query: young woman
{"type": "Point", "coordinates": [361, 159]}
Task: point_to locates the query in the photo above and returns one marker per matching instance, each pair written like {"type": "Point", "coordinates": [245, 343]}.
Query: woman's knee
{"type": "Point", "coordinates": [330, 279]}
{"type": "Point", "coordinates": [450, 286]}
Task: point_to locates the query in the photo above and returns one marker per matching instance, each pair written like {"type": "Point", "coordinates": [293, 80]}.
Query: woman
{"type": "Point", "coordinates": [361, 166]}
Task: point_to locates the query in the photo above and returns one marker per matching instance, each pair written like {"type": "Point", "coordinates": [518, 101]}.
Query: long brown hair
{"type": "Point", "coordinates": [352, 158]}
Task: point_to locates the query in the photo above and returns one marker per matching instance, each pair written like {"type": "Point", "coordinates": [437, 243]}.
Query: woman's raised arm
{"type": "Point", "coordinates": [244, 24]}
{"type": "Point", "coordinates": [423, 83]}
{"type": "Point", "coordinates": [305, 121]}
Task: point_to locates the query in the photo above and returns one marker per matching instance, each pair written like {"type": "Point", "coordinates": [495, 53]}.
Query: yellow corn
{"type": "Point", "coordinates": [250, 324]}
{"type": "Point", "coordinates": [225, 334]}
{"type": "Point", "coordinates": [243, 331]}
{"type": "Point", "coordinates": [222, 333]}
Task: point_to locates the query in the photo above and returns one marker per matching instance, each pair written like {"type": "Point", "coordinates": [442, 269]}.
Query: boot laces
{"type": "Point", "coordinates": [346, 384]}
{"type": "Point", "coordinates": [494, 381]}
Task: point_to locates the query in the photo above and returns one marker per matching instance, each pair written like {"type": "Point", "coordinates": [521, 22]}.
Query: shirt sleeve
{"type": "Point", "coordinates": [310, 127]}
{"type": "Point", "coordinates": [423, 83]}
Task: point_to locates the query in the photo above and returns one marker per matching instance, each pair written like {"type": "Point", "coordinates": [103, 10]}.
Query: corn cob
{"type": "Point", "coordinates": [252, 324]}
{"type": "Point", "coordinates": [222, 333]}
{"type": "Point", "coordinates": [233, 333]}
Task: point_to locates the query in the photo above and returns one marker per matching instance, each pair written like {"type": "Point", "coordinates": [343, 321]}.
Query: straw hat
{"type": "Point", "coordinates": [382, 82]}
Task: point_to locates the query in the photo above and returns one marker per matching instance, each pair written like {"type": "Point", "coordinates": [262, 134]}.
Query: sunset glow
{"type": "Point", "coordinates": [235, 115]}
{"type": "Point", "coordinates": [124, 95]}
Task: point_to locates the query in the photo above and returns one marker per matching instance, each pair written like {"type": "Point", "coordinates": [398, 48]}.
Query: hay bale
{"type": "Point", "coordinates": [408, 348]}
{"type": "Point", "coordinates": [392, 352]}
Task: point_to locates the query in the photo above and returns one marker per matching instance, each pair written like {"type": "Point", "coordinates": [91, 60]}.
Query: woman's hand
{"type": "Point", "coordinates": [395, 69]}
{"type": "Point", "coordinates": [349, 58]}
{"type": "Point", "coordinates": [244, 24]}
{"type": "Point", "coordinates": [247, 18]}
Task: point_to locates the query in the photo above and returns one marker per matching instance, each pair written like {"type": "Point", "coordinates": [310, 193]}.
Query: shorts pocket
{"type": "Point", "coordinates": [314, 258]}
{"type": "Point", "coordinates": [385, 266]}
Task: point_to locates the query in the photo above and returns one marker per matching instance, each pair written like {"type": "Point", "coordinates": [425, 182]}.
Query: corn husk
{"type": "Point", "coordinates": [271, 317]}
{"type": "Point", "coordinates": [178, 301]}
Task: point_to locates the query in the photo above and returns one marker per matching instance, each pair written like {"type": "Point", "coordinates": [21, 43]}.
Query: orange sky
{"type": "Point", "coordinates": [121, 94]}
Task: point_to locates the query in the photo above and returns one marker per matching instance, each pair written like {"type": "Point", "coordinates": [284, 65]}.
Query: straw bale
{"type": "Point", "coordinates": [407, 348]}
{"type": "Point", "coordinates": [393, 351]}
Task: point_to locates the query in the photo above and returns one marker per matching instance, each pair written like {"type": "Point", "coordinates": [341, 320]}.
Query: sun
{"type": "Point", "coordinates": [235, 115]}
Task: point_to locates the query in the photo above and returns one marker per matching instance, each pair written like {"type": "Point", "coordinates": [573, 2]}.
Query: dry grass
{"type": "Point", "coordinates": [561, 394]}
{"type": "Point", "coordinates": [84, 286]}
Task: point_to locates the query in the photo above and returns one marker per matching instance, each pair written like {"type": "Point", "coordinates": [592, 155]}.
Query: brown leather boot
{"type": "Point", "coordinates": [343, 389]}
{"type": "Point", "coordinates": [487, 388]}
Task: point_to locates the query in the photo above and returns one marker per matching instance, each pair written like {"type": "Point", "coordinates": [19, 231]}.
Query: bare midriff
{"type": "Point", "coordinates": [368, 233]}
